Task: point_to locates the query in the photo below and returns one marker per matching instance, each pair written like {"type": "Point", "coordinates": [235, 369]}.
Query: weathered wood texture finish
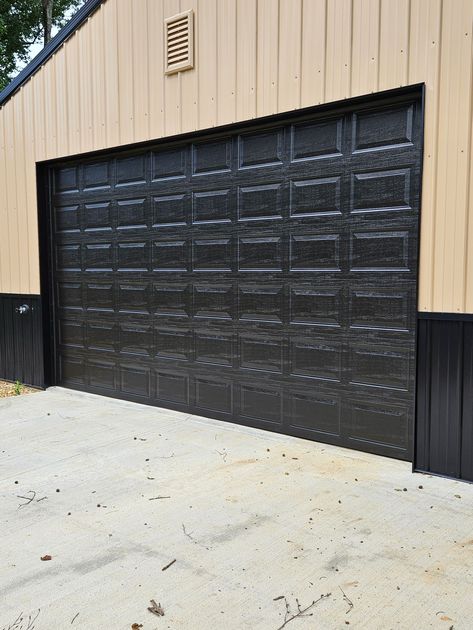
{"type": "Point", "coordinates": [106, 87]}
{"type": "Point", "coordinates": [266, 276]}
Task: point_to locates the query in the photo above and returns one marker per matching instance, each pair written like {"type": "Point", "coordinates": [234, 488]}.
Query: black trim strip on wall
{"type": "Point", "coordinates": [444, 426]}
{"type": "Point", "coordinates": [454, 317]}
{"type": "Point", "coordinates": [56, 42]}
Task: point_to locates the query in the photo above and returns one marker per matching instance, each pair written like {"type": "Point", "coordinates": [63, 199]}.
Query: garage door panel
{"type": "Point", "coordinates": [212, 157]}
{"type": "Point", "coordinates": [312, 305]}
{"type": "Point", "coordinates": [169, 165]}
{"type": "Point", "coordinates": [266, 276]}
{"type": "Point", "coordinates": [214, 394]}
{"type": "Point", "coordinates": [316, 140]}
{"type": "Point", "coordinates": [383, 128]}
{"type": "Point", "coordinates": [315, 197]}
{"type": "Point", "coordinates": [386, 308]}
{"type": "Point", "coordinates": [261, 404]}
{"type": "Point", "coordinates": [377, 422]}
{"type": "Point", "coordinates": [315, 413]}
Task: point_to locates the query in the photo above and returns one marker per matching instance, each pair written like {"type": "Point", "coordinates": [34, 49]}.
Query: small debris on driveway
{"type": "Point", "coordinates": [301, 612]}
{"type": "Point", "coordinates": [46, 558]}
{"type": "Point", "coordinates": [74, 618]}
{"type": "Point", "coordinates": [347, 600]}
{"type": "Point", "coordinates": [169, 565]}
{"type": "Point", "coordinates": [154, 498]}
{"type": "Point", "coordinates": [27, 499]}
{"type": "Point", "coordinates": [156, 609]}
{"type": "Point", "coordinates": [136, 626]}
{"type": "Point", "coordinates": [223, 454]}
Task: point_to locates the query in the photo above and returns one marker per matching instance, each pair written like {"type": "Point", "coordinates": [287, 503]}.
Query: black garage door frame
{"type": "Point", "coordinates": [44, 178]}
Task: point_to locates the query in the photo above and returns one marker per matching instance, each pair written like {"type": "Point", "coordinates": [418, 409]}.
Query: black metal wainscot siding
{"type": "Point", "coordinates": [21, 339]}
{"type": "Point", "coordinates": [444, 440]}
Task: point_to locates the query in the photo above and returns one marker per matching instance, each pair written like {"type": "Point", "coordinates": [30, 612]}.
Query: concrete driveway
{"type": "Point", "coordinates": [253, 520]}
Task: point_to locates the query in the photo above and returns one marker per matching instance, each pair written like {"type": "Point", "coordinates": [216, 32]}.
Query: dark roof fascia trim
{"type": "Point", "coordinates": [57, 41]}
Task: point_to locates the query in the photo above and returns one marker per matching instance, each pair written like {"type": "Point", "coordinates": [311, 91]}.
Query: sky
{"type": "Point", "coordinates": [37, 48]}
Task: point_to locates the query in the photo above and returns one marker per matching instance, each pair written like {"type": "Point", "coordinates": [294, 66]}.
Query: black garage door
{"type": "Point", "coordinates": [265, 275]}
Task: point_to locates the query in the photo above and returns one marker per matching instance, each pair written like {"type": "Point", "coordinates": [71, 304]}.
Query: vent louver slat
{"type": "Point", "coordinates": [179, 32]}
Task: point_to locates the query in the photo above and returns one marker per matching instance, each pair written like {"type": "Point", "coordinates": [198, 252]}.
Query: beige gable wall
{"type": "Point", "coordinates": [106, 87]}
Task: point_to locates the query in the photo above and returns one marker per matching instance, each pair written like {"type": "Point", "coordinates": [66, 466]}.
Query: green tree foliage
{"type": "Point", "coordinates": [27, 22]}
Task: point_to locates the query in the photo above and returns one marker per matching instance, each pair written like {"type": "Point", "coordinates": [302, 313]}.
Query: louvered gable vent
{"type": "Point", "coordinates": [179, 42]}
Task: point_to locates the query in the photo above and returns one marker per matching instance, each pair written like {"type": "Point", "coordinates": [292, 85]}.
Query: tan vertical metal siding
{"type": "Point", "coordinates": [106, 87]}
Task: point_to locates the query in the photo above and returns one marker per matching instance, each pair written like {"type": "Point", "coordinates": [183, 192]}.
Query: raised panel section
{"type": "Point", "coordinates": [135, 380]}
{"type": "Point", "coordinates": [387, 309]}
{"type": "Point", "coordinates": [382, 129]}
{"type": "Point", "coordinates": [172, 300]}
{"type": "Point", "coordinates": [96, 176]}
{"type": "Point", "coordinates": [68, 257]}
{"type": "Point", "coordinates": [315, 252]}
{"type": "Point", "coordinates": [67, 219]}
{"type": "Point", "coordinates": [131, 170]}
{"type": "Point", "coordinates": [173, 343]}
{"type": "Point", "coordinates": [99, 296]}
{"type": "Point", "coordinates": [98, 257]}
{"type": "Point", "coordinates": [257, 203]}
{"type": "Point", "coordinates": [214, 395]}
{"type": "Point", "coordinates": [172, 386]}
{"type": "Point", "coordinates": [315, 197]}
{"type": "Point", "coordinates": [170, 164]}
{"type": "Point", "coordinates": [211, 206]}
{"type": "Point", "coordinates": [261, 303]}
{"type": "Point", "coordinates": [379, 423]}
{"type": "Point", "coordinates": [213, 301]}
{"type": "Point", "coordinates": [102, 336]}
{"type": "Point", "coordinates": [316, 307]}
{"type": "Point", "coordinates": [313, 140]}
{"type": "Point", "coordinates": [316, 359]}
{"type": "Point", "coordinates": [262, 404]}
{"type": "Point", "coordinates": [380, 251]}
{"type": "Point", "coordinates": [260, 254]}
{"type": "Point", "coordinates": [380, 366]}
{"type": "Point", "coordinates": [212, 254]}
{"type": "Point", "coordinates": [381, 191]}
{"type": "Point", "coordinates": [69, 295]}
{"type": "Point", "coordinates": [102, 374]}
{"type": "Point", "coordinates": [211, 157]}
{"type": "Point", "coordinates": [71, 369]}
{"type": "Point", "coordinates": [66, 180]}
{"type": "Point", "coordinates": [133, 298]}
{"type": "Point", "coordinates": [133, 257]}
{"type": "Point", "coordinates": [261, 353]}
{"type": "Point", "coordinates": [170, 255]}
{"type": "Point", "coordinates": [71, 333]}
{"type": "Point", "coordinates": [135, 339]}
{"type": "Point", "coordinates": [313, 412]}
{"type": "Point", "coordinates": [214, 348]}
{"type": "Point", "coordinates": [131, 214]}
{"type": "Point", "coordinates": [260, 149]}
{"type": "Point", "coordinates": [97, 217]}
{"type": "Point", "coordinates": [169, 210]}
